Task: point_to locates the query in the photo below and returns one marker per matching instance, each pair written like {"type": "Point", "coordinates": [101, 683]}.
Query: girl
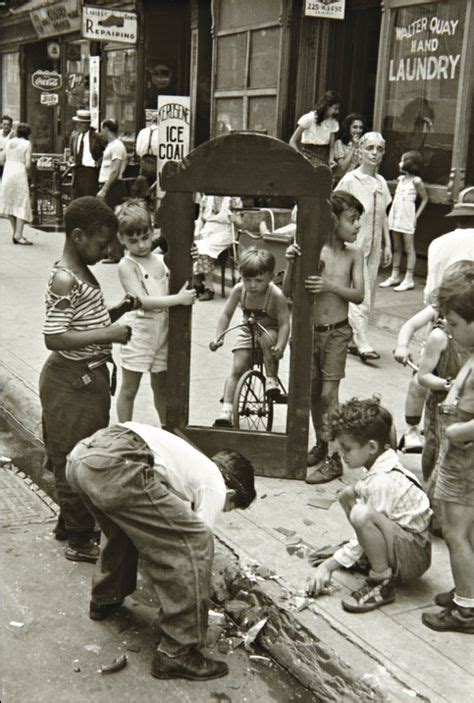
{"type": "Point", "coordinates": [15, 201]}
{"type": "Point", "coordinates": [455, 481]}
{"type": "Point", "coordinates": [346, 149]}
{"type": "Point", "coordinates": [143, 273]}
{"type": "Point", "coordinates": [403, 217]}
{"type": "Point", "coordinates": [262, 299]}
{"type": "Point", "coordinates": [317, 130]}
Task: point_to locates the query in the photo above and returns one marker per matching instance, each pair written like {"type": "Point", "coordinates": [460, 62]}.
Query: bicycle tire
{"type": "Point", "coordinates": [251, 409]}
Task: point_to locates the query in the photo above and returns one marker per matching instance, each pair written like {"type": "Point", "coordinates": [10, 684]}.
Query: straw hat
{"type": "Point", "coordinates": [465, 204]}
{"type": "Point", "coordinates": [82, 116]}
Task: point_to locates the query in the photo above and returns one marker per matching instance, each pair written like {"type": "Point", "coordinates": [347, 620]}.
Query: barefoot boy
{"type": "Point", "coordinates": [340, 282]}
{"type": "Point", "coordinates": [387, 508]}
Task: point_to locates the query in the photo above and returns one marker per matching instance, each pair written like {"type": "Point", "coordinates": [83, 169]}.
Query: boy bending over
{"type": "Point", "coordinates": [340, 282]}
{"type": "Point", "coordinates": [387, 508]}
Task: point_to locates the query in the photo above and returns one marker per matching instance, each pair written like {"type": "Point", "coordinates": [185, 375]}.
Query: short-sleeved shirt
{"type": "Point", "coordinates": [317, 133]}
{"type": "Point", "coordinates": [114, 150]}
{"type": "Point", "coordinates": [188, 472]}
{"type": "Point", "coordinates": [85, 311]}
{"type": "Point", "coordinates": [444, 251]}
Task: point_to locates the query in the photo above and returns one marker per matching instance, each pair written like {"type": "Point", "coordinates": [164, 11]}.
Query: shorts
{"type": "Point", "coordinates": [412, 552]}
{"type": "Point", "coordinates": [244, 338]}
{"type": "Point", "coordinates": [147, 350]}
{"type": "Point", "coordinates": [330, 353]}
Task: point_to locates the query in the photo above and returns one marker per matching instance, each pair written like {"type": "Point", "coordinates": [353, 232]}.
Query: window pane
{"type": "Point", "coordinates": [229, 116]}
{"type": "Point", "coordinates": [11, 84]}
{"type": "Point", "coordinates": [262, 115]}
{"type": "Point", "coordinates": [231, 61]}
{"type": "Point", "coordinates": [264, 52]}
{"type": "Point", "coordinates": [422, 80]}
{"type": "Point", "coordinates": [233, 14]}
{"type": "Point", "coordinates": [76, 84]}
{"type": "Point", "coordinates": [120, 102]}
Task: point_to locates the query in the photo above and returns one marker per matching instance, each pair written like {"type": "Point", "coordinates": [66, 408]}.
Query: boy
{"type": "Point", "coordinates": [155, 495]}
{"type": "Point", "coordinates": [387, 508]}
{"type": "Point", "coordinates": [455, 481]}
{"type": "Point", "coordinates": [262, 300]}
{"type": "Point", "coordinates": [74, 383]}
{"type": "Point", "coordinates": [341, 283]}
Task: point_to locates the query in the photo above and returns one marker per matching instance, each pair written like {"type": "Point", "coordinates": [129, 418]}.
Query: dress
{"type": "Point", "coordinates": [147, 349]}
{"type": "Point", "coordinates": [341, 150]}
{"type": "Point", "coordinates": [401, 217]}
{"type": "Point", "coordinates": [373, 193]}
{"type": "Point", "coordinates": [316, 137]}
{"type": "Point", "coordinates": [213, 230]}
{"type": "Point", "coordinates": [15, 197]}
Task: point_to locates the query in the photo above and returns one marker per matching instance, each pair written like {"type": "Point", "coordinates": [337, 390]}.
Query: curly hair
{"type": "Point", "coordinates": [238, 474]}
{"type": "Point", "coordinates": [347, 124]}
{"type": "Point", "coordinates": [326, 101]}
{"type": "Point", "coordinates": [456, 292]}
{"type": "Point", "coordinates": [363, 420]}
{"type": "Point", "coordinates": [89, 214]}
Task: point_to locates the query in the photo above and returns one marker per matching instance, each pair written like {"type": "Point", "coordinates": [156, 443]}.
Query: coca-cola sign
{"type": "Point", "coordinates": [46, 80]}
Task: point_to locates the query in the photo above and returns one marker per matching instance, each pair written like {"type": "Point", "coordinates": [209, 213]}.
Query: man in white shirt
{"type": "Point", "coordinates": [86, 150]}
{"type": "Point", "coordinates": [156, 496]}
{"type": "Point", "coordinates": [114, 161]}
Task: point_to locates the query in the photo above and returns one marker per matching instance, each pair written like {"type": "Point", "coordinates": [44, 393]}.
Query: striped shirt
{"type": "Point", "coordinates": [389, 488]}
{"type": "Point", "coordinates": [85, 311]}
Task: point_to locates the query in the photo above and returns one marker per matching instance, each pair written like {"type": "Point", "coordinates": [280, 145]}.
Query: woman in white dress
{"type": "Point", "coordinates": [15, 197]}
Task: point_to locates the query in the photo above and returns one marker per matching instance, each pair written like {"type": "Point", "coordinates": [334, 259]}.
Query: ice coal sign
{"type": "Point", "coordinates": [100, 24]}
{"type": "Point", "coordinates": [173, 128]}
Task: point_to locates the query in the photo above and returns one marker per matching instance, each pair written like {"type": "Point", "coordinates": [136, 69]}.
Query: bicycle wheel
{"type": "Point", "coordinates": [251, 408]}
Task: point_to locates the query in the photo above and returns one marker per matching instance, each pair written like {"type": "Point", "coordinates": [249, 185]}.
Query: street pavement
{"type": "Point", "coordinates": [386, 647]}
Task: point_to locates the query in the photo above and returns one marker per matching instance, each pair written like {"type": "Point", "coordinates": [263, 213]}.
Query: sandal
{"type": "Point", "coordinates": [23, 241]}
{"type": "Point", "coordinates": [369, 356]}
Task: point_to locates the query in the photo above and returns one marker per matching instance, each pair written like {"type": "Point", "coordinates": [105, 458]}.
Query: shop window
{"type": "Point", "coordinates": [76, 83]}
{"type": "Point", "coordinates": [422, 79]}
{"type": "Point", "coordinates": [11, 84]}
{"type": "Point", "coordinates": [120, 85]}
{"type": "Point", "coordinates": [247, 63]}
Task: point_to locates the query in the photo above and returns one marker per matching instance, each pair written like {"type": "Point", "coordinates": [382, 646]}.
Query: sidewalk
{"type": "Point", "coordinates": [390, 650]}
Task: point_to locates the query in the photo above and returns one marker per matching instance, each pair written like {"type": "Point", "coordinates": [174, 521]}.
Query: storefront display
{"type": "Point", "coordinates": [11, 84]}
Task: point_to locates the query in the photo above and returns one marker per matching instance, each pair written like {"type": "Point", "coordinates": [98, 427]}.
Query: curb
{"type": "Point", "coordinates": [244, 598]}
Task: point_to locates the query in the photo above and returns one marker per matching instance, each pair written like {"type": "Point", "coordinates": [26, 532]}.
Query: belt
{"type": "Point", "coordinates": [331, 326]}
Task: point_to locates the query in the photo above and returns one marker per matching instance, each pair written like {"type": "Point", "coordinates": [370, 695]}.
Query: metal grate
{"type": "Point", "coordinates": [22, 502]}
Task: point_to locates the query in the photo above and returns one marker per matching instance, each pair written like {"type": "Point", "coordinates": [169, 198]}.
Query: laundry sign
{"type": "Point", "coordinates": [326, 9]}
{"type": "Point", "coordinates": [100, 24]}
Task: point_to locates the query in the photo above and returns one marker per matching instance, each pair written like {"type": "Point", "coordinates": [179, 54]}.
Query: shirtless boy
{"type": "Point", "coordinates": [339, 282]}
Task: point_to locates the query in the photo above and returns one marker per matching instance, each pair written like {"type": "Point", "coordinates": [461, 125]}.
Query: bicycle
{"type": "Point", "coordinates": [252, 408]}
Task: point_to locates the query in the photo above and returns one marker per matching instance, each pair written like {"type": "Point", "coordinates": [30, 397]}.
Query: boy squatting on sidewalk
{"type": "Point", "coordinates": [388, 509]}
{"type": "Point", "coordinates": [155, 495]}
{"type": "Point", "coordinates": [74, 385]}
{"type": "Point", "coordinates": [339, 282]}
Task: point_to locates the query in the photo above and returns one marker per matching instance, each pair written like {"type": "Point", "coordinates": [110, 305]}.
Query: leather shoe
{"type": "Point", "coordinates": [191, 665]}
{"type": "Point", "coordinates": [100, 611]}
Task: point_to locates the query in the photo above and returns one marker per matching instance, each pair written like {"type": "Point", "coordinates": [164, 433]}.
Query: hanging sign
{"type": "Point", "coordinates": [174, 120]}
{"type": "Point", "coordinates": [46, 80]}
{"type": "Point", "coordinates": [327, 9]}
{"type": "Point", "coordinates": [49, 99]}
{"type": "Point", "coordinates": [58, 18]}
{"type": "Point", "coordinates": [94, 89]}
{"type": "Point", "coordinates": [100, 24]}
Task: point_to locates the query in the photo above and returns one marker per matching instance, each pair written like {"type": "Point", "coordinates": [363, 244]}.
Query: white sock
{"type": "Point", "coordinates": [463, 602]}
{"type": "Point", "coordinates": [226, 408]}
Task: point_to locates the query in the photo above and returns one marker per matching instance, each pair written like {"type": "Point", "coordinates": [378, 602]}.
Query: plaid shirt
{"type": "Point", "coordinates": [389, 488]}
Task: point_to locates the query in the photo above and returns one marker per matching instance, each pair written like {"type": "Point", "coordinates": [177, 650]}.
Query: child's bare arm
{"type": "Point", "coordinates": [461, 433]}
{"type": "Point", "coordinates": [131, 284]}
{"type": "Point", "coordinates": [423, 195]}
{"type": "Point", "coordinates": [332, 141]}
{"type": "Point", "coordinates": [295, 137]}
{"type": "Point", "coordinates": [283, 317]}
{"type": "Point", "coordinates": [322, 577]}
{"type": "Point", "coordinates": [291, 253]}
{"type": "Point", "coordinates": [226, 316]}
{"type": "Point", "coordinates": [422, 318]}
{"type": "Point", "coordinates": [435, 345]}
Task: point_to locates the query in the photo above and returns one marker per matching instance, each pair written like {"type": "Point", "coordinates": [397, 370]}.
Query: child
{"type": "Point", "coordinates": [143, 273]}
{"type": "Point", "coordinates": [387, 508]}
{"type": "Point", "coordinates": [342, 282]}
{"type": "Point", "coordinates": [74, 385]}
{"type": "Point", "coordinates": [317, 130]}
{"type": "Point", "coordinates": [403, 217]}
{"type": "Point", "coordinates": [455, 481]}
{"type": "Point", "coordinates": [262, 299]}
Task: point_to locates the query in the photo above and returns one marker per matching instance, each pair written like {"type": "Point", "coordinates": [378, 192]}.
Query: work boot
{"type": "Point", "coordinates": [445, 600]}
{"type": "Point", "coordinates": [100, 611]}
{"type": "Point", "coordinates": [451, 620]}
{"type": "Point", "coordinates": [371, 596]}
{"type": "Point", "coordinates": [191, 665]}
{"type": "Point", "coordinates": [85, 551]}
{"type": "Point", "coordinates": [317, 454]}
{"type": "Point", "coordinates": [328, 470]}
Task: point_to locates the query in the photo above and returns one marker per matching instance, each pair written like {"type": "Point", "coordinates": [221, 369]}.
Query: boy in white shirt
{"type": "Point", "coordinates": [156, 496]}
{"type": "Point", "coordinates": [387, 508]}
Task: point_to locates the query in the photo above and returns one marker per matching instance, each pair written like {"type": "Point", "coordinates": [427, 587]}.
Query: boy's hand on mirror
{"type": "Point", "coordinates": [319, 582]}
{"type": "Point", "coordinates": [120, 334]}
{"type": "Point", "coordinates": [194, 251]}
{"type": "Point", "coordinates": [293, 251]}
{"type": "Point", "coordinates": [186, 296]}
{"type": "Point", "coordinates": [317, 284]}
{"type": "Point", "coordinates": [215, 344]}
{"type": "Point", "coordinates": [277, 353]}
{"type": "Point", "coordinates": [402, 355]}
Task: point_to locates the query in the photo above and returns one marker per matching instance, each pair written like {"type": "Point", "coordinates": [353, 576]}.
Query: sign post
{"type": "Point", "coordinates": [174, 124]}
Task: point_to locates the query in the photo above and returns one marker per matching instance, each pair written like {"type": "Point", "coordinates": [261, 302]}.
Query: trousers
{"type": "Point", "coordinates": [70, 413]}
{"type": "Point", "coordinates": [359, 315]}
{"type": "Point", "coordinates": [139, 515]}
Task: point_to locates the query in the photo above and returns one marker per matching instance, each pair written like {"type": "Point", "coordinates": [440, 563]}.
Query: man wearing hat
{"type": "Point", "coordinates": [87, 148]}
{"type": "Point", "coordinates": [457, 245]}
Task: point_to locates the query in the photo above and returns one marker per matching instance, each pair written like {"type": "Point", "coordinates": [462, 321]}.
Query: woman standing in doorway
{"type": "Point", "coordinates": [373, 238]}
{"type": "Point", "coordinates": [15, 199]}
